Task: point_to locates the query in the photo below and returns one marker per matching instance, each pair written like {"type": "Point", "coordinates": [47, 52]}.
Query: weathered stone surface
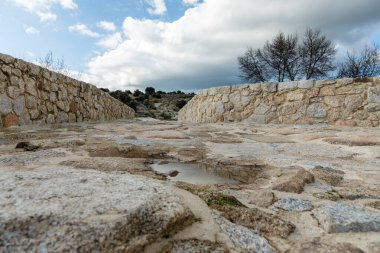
{"type": "Point", "coordinates": [34, 114]}
{"type": "Point", "coordinates": [13, 92]}
{"type": "Point", "coordinates": [374, 95]}
{"type": "Point", "coordinates": [194, 246]}
{"type": "Point", "coordinates": [11, 120]}
{"type": "Point", "coordinates": [295, 183]}
{"type": "Point", "coordinates": [269, 87]}
{"type": "Point", "coordinates": [262, 198]}
{"type": "Point", "coordinates": [316, 110]}
{"type": "Point", "coordinates": [30, 87]}
{"type": "Point", "coordinates": [353, 102]}
{"type": "Point", "coordinates": [50, 119]}
{"type": "Point", "coordinates": [31, 102]}
{"type": "Point", "coordinates": [72, 117]}
{"type": "Point", "coordinates": [62, 117]}
{"type": "Point", "coordinates": [327, 101]}
{"type": "Point", "coordinates": [243, 237]}
{"type": "Point", "coordinates": [316, 246]}
{"type": "Point", "coordinates": [262, 109]}
{"type": "Point", "coordinates": [343, 218]}
{"type": "Point", "coordinates": [306, 84]}
{"type": "Point", "coordinates": [126, 212]}
{"type": "Point", "coordinates": [293, 205]}
{"type": "Point", "coordinates": [5, 105]}
{"type": "Point", "coordinates": [329, 175]}
{"type": "Point", "coordinates": [287, 85]}
{"type": "Point", "coordinates": [19, 105]}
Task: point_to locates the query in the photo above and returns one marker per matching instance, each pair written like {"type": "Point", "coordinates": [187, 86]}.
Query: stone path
{"type": "Point", "coordinates": [90, 186]}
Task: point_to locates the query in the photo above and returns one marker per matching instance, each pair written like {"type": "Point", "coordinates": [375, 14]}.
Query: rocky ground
{"type": "Point", "coordinates": [89, 187]}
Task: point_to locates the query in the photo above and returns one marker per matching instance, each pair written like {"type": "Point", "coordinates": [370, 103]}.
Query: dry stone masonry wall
{"type": "Point", "coordinates": [352, 102]}
{"type": "Point", "coordinates": [30, 94]}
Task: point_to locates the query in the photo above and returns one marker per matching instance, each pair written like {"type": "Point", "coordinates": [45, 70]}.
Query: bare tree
{"type": "Point", "coordinates": [277, 60]}
{"type": "Point", "coordinates": [284, 59]}
{"type": "Point", "coordinates": [366, 63]}
{"type": "Point", "coordinates": [316, 55]}
{"type": "Point", "coordinates": [252, 68]}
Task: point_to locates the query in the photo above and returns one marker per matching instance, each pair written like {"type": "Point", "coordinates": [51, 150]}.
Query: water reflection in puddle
{"type": "Point", "coordinates": [191, 173]}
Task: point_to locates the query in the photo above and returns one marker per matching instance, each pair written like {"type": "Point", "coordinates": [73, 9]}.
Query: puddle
{"type": "Point", "coordinates": [191, 173]}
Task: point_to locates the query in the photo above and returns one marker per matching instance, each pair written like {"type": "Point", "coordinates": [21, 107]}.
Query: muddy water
{"type": "Point", "coordinates": [191, 173]}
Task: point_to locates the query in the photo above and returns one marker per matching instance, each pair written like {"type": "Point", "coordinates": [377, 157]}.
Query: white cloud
{"type": "Point", "coordinates": [200, 48]}
{"type": "Point", "coordinates": [31, 30]}
{"type": "Point", "coordinates": [157, 7]}
{"type": "Point", "coordinates": [42, 8]}
{"type": "Point", "coordinates": [106, 25]}
{"type": "Point", "coordinates": [111, 41]}
{"type": "Point", "coordinates": [47, 16]}
{"type": "Point", "coordinates": [190, 2]}
{"type": "Point", "coordinates": [84, 30]}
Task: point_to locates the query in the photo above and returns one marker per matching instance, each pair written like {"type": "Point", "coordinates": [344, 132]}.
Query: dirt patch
{"type": "Point", "coordinates": [319, 247]}
{"type": "Point", "coordinates": [132, 166]}
{"type": "Point", "coordinates": [295, 183]}
{"type": "Point", "coordinates": [193, 245]}
{"type": "Point", "coordinates": [361, 141]}
{"type": "Point", "coordinates": [357, 189]}
{"type": "Point", "coordinates": [233, 210]}
{"type": "Point", "coordinates": [190, 154]}
{"type": "Point", "coordinates": [130, 151]}
{"type": "Point", "coordinates": [375, 204]}
{"type": "Point", "coordinates": [329, 175]}
{"type": "Point", "coordinates": [240, 170]}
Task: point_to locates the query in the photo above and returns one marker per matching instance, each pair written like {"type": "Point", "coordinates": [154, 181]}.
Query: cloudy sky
{"type": "Point", "coordinates": [171, 44]}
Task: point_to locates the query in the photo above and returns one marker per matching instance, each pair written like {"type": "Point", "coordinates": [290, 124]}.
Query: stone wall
{"type": "Point", "coordinates": [353, 102]}
{"type": "Point", "coordinates": [30, 94]}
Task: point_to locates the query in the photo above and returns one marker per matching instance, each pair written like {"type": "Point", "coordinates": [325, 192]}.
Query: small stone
{"type": "Point", "coordinates": [374, 95]}
{"type": "Point", "coordinates": [306, 84]}
{"type": "Point", "coordinates": [269, 87]}
{"type": "Point", "coordinates": [62, 117]}
{"type": "Point", "coordinates": [287, 85]}
{"type": "Point", "coordinates": [344, 218]}
{"type": "Point", "coordinates": [293, 205]}
{"type": "Point", "coordinates": [243, 237]}
{"type": "Point", "coordinates": [13, 92]}
{"type": "Point", "coordinates": [173, 173]}
{"type": "Point", "coordinates": [72, 117]}
{"type": "Point", "coordinates": [30, 87]}
{"type": "Point", "coordinates": [316, 110]}
{"type": "Point", "coordinates": [73, 107]}
{"type": "Point", "coordinates": [5, 105]}
{"type": "Point", "coordinates": [16, 72]}
{"type": "Point", "coordinates": [373, 107]}
{"type": "Point", "coordinates": [262, 109]}
{"type": "Point", "coordinates": [50, 119]}
{"type": "Point", "coordinates": [31, 102]}
{"type": "Point", "coordinates": [316, 246]}
{"type": "Point", "coordinates": [27, 146]}
{"type": "Point", "coordinates": [7, 58]}
{"type": "Point", "coordinates": [34, 114]}
{"type": "Point", "coordinates": [353, 102]}
{"type": "Point", "coordinates": [19, 105]}
{"type": "Point", "coordinates": [61, 105]}
{"type": "Point", "coordinates": [11, 120]}
{"type": "Point", "coordinates": [262, 198]}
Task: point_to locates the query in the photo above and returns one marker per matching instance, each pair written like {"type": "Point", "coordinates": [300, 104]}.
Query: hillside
{"type": "Point", "coordinates": [160, 105]}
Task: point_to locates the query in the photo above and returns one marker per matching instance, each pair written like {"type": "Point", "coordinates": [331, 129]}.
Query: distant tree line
{"type": "Point", "coordinates": [287, 57]}
{"type": "Point", "coordinates": [132, 99]}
